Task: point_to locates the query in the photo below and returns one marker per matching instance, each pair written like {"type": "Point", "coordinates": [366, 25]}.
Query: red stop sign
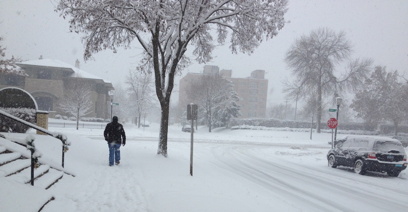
{"type": "Point", "coordinates": [332, 123]}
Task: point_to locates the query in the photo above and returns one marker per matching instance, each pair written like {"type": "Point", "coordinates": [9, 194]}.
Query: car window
{"type": "Point", "coordinates": [359, 144]}
{"type": "Point", "coordinates": [346, 144]}
{"type": "Point", "coordinates": [339, 143]}
{"type": "Point", "coordinates": [386, 146]}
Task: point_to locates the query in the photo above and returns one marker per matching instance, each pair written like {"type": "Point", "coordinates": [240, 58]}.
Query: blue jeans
{"type": "Point", "coordinates": [114, 153]}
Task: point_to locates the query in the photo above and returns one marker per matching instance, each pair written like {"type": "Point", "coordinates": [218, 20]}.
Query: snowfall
{"type": "Point", "coordinates": [233, 170]}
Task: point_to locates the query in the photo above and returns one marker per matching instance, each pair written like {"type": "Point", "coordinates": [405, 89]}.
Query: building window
{"type": "Point", "coordinates": [253, 85]}
{"type": "Point", "coordinates": [253, 91]}
{"type": "Point", "coordinates": [44, 103]}
{"type": "Point", "coordinates": [44, 74]}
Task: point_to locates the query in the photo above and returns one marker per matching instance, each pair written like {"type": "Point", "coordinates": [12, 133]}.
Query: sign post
{"type": "Point", "coordinates": [332, 123]}
{"type": "Point", "coordinates": [191, 115]}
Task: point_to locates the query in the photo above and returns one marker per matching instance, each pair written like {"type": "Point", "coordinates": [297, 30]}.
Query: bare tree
{"type": "Point", "coordinates": [140, 91]}
{"type": "Point", "coordinates": [384, 97]}
{"type": "Point", "coordinates": [165, 30]}
{"type": "Point", "coordinates": [313, 60]}
{"type": "Point", "coordinates": [120, 103]}
{"type": "Point", "coordinates": [77, 101]}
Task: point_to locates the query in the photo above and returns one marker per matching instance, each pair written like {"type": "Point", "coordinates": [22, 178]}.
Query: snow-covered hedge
{"type": "Point", "coordinates": [276, 123]}
{"type": "Point", "coordinates": [270, 123]}
{"type": "Point", "coordinates": [92, 119]}
{"type": "Point", "coordinates": [86, 119]}
{"type": "Point", "coordinates": [9, 125]}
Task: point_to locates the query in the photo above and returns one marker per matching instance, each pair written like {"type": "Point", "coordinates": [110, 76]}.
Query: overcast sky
{"type": "Point", "coordinates": [377, 29]}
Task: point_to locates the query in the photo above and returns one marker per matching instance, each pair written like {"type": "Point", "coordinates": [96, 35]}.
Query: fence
{"type": "Point", "coordinates": [84, 125]}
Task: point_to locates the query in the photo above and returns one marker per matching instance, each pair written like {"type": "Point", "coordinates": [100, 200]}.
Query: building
{"type": "Point", "coordinates": [253, 90]}
{"type": "Point", "coordinates": [48, 80]}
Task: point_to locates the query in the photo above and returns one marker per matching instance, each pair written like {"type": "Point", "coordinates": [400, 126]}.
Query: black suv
{"type": "Point", "coordinates": [369, 153]}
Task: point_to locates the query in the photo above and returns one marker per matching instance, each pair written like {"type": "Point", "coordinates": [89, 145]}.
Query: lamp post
{"type": "Point", "coordinates": [111, 103]}
{"type": "Point", "coordinates": [338, 102]}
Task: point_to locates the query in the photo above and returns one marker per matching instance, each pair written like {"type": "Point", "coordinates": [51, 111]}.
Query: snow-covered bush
{"type": "Point", "coordinates": [72, 118]}
{"type": "Point", "coordinates": [92, 119]}
{"type": "Point", "coordinates": [65, 117]}
{"type": "Point", "coordinates": [9, 125]}
{"type": "Point", "coordinates": [58, 116]}
{"type": "Point", "coordinates": [352, 128]}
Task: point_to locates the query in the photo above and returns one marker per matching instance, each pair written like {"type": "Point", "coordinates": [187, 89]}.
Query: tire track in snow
{"type": "Point", "coordinates": [280, 189]}
{"type": "Point", "coordinates": [368, 180]}
{"type": "Point", "coordinates": [368, 194]}
{"type": "Point", "coordinates": [300, 186]}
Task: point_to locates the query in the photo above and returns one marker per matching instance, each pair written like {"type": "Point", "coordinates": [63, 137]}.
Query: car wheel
{"type": "Point", "coordinates": [359, 167]}
{"type": "Point", "coordinates": [393, 173]}
{"type": "Point", "coordinates": [332, 161]}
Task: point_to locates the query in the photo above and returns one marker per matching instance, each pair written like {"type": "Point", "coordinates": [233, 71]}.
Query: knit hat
{"type": "Point", "coordinates": [115, 119]}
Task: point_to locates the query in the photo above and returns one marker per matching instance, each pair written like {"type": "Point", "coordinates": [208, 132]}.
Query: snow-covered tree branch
{"type": "Point", "coordinates": [8, 66]}
{"type": "Point", "coordinates": [166, 29]}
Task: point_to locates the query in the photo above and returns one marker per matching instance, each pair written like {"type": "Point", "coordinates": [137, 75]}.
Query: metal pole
{"type": "Point", "coordinates": [111, 107]}
{"type": "Point", "coordinates": [337, 117]}
{"type": "Point", "coordinates": [311, 127]}
{"type": "Point", "coordinates": [191, 147]}
{"type": "Point", "coordinates": [63, 155]}
{"type": "Point", "coordinates": [32, 167]}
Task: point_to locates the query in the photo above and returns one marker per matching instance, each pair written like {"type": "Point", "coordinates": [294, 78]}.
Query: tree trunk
{"type": "Point", "coordinates": [209, 119]}
{"type": "Point", "coordinates": [164, 126]}
{"type": "Point", "coordinates": [319, 106]}
{"type": "Point", "coordinates": [160, 82]}
{"type": "Point", "coordinates": [77, 119]}
{"type": "Point", "coordinates": [138, 120]}
{"type": "Point", "coordinates": [209, 111]}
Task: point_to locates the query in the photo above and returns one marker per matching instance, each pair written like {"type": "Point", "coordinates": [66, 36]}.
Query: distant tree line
{"type": "Point", "coordinates": [378, 96]}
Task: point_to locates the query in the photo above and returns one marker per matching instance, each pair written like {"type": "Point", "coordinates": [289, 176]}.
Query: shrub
{"type": "Point", "coordinates": [9, 125]}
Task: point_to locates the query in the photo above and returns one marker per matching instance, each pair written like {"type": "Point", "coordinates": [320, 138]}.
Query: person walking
{"type": "Point", "coordinates": [115, 136]}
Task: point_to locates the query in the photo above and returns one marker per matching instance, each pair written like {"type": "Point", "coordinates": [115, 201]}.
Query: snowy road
{"type": "Point", "coordinates": [316, 188]}
{"type": "Point", "coordinates": [233, 171]}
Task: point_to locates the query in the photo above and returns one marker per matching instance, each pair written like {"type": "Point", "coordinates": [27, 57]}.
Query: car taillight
{"type": "Point", "coordinates": [371, 155]}
{"type": "Point", "coordinates": [405, 158]}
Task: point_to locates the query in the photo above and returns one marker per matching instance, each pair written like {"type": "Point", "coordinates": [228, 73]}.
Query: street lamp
{"type": "Point", "coordinates": [111, 103]}
{"type": "Point", "coordinates": [338, 102]}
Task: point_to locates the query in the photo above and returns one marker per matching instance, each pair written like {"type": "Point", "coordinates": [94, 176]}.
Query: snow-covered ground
{"type": "Point", "coordinates": [234, 170]}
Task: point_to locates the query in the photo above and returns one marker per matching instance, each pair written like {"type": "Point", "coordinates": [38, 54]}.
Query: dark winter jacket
{"type": "Point", "coordinates": [114, 132]}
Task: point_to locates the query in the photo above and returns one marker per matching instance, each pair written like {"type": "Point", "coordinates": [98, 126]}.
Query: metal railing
{"type": "Point", "coordinates": [61, 137]}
